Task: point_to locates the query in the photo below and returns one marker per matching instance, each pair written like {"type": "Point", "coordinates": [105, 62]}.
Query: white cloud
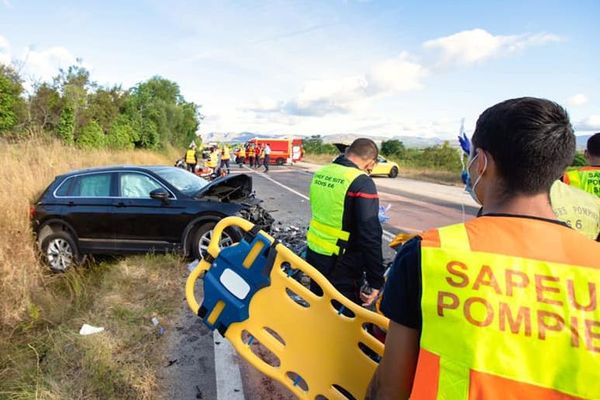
{"type": "Point", "coordinates": [591, 123]}
{"type": "Point", "coordinates": [38, 65]}
{"type": "Point", "coordinates": [347, 94]}
{"type": "Point", "coordinates": [7, 3]}
{"type": "Point", "coordinates": [399, 74]}
{"type": "Point", "coordinates": [45, 64]}
{"type": "Point", "coordinates": [477, 45]}
{"type": "Point", "coordinates": [577, 100]}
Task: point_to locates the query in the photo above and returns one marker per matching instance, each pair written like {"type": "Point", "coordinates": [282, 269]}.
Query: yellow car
{"type": "Point", "coordinates": [384, 167]}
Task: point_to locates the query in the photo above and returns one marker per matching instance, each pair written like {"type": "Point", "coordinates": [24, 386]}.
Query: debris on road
{"type": "Point", "coordinates": [90, 330]}
{"type": "Point", "coordinates": [171, 362]}
{"type": "Point", "coordinates": [191, 266]}
{"type": "Point", "coordinates": [258, 216]}
{"type": "Point", "coordinates": [291, 236]}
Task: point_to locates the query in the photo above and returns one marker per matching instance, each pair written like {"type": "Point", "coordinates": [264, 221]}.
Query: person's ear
{"type": "Point", "coordinates": [482, 161]}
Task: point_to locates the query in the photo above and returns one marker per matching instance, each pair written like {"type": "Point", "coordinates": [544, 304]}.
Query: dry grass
{"type": "Point", "coordinates": [318, 158]}
{"type": "Point", "coordinates": [419, 173]}
{"type": "Point", "coordinates": [41, 354]}
{"type": "Point", "coordinates": [46, 358]}
{"type": "Point", "coordinates": [26, 169]}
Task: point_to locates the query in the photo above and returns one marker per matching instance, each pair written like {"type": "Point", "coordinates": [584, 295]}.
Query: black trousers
{"type": "Point", "coordinates": [225, 165]}
{"type": "Point", "coordinates": [343, 281]}
{"type": "Point", "coordinates": [191, 167]}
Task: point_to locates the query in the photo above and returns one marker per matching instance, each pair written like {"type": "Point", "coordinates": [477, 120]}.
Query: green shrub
{"type": "Point", "coordinates": [66, 125]}
{"type": "Point", "coordinates": [91, 137]}
{"type": "Point", "coordinates": [121, 135]}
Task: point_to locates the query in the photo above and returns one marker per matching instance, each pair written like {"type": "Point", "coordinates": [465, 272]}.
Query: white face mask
{"type": "Point", "coordinates": [472, 186]}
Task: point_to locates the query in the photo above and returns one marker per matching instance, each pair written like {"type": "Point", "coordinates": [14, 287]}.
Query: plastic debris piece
{"type": "Point", "coordinates": [90, 330]}
{"type": "Point", "coordinates": [193, 265]}
{"type": "Point", "coordinates": [154, 321]}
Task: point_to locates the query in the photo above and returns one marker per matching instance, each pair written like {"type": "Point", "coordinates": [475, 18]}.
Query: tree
{"type": "Point", "coordinates": [66, 125]}
{"type": "Point", "coordinates": [45, 106]}
{"type": "Point", "coordinates": [444, 157]}
{"type": "Point", "coordinates": [73, 85]}
{"type": "Point", "coordinates": [91, 136]}
{"type": "Point", "coordinates": [313, 144]}
{"type": "Point", "coordinates": [579, 160]}
{"type": "Point", "coordinates": [393, 148]}
{"type": "Point", "coordinates": [12, 106]}
{"type": "Point", "coordinates": [121, 135]}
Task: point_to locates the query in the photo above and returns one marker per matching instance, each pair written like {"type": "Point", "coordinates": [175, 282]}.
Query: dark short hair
{"type": "Point", "coordinates": [364, 148]}
{"type": "Point", "coordinates": [531, 141]}
{"type": "Point", "coordinates": [593, 145]}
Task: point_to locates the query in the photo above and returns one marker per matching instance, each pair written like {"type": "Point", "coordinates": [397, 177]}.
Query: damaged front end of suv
{"type": "Point", "coordinates": [237, 189]}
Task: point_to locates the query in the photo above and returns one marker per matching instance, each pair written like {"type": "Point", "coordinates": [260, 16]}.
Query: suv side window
{"type": "Point", "coordinates": [93, 185]}
{"type": "Point", "coordinates": [135, 185]}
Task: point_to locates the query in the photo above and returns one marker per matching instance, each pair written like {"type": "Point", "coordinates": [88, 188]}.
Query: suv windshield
{"type": "Point", "coordinates": [186, 182]}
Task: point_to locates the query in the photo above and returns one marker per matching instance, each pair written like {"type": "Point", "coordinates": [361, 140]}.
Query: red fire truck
{"type": "Point", "coordinates": [283, 151]}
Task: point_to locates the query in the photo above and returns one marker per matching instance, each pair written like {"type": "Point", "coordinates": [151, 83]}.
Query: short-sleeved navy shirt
{"type": "Point", "coordinates": [401, 300]}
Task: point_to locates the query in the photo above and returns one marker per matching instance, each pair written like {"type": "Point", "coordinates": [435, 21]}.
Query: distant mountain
{"type": "Point", "coordinates": [242, 137]}
{"type": "Point", "coordinates": [235, 137]}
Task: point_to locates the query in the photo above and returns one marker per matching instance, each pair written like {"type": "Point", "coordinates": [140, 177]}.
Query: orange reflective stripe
{"type": "Point", "coordinates": [430, 238]}
{"type": "Point", "coordinates": [491, 387]}
{"type": "Point", "coordinates": [509, 236]}
{"type": "Point", "coordinates": [425, 385]}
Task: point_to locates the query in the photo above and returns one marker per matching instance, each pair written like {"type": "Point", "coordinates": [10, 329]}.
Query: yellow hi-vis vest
{"type": "Point", "coordinates": [584, 178]}
{"type": "Point", "coordinates": [242, 152]}
{"type": "Point", "coordinates": [510, 311]}
{"type": "Point", "coordinates": [226, 155]}
{"type": "Point", "coordinates": [327, 197]}
{"type": "Point", "coordinates": [578, 209]}
{"type": "Point", "coordinates": [190, 156]}
{"type": "Point", "coordinates": [212, 160]}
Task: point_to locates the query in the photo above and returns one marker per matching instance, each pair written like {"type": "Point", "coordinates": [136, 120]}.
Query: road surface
{"type": "Point", "coordinates": [207, 367]}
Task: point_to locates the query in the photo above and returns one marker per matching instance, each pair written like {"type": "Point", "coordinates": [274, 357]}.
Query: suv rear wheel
{"type": "Point", "coordinates": [60, 251]}
{"type": "Point", "coordinates": [204, 234]}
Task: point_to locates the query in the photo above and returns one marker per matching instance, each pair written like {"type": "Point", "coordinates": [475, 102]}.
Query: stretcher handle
{"type": "Point", "coordinates": [213, 251]}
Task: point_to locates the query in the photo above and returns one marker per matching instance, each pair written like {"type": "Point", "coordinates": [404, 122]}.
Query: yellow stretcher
{"type": "Point", "coordinates": [319, 347]}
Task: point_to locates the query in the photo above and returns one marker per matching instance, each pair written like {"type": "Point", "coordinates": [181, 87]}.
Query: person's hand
{"type": "Point", "coordinates": [369, 298]}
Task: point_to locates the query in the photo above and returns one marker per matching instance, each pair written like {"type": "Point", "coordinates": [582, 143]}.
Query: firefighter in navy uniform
{"type": "Point", "coordinates": [587, 178]}
{"type": "Point", "coordinates": [344, 236]}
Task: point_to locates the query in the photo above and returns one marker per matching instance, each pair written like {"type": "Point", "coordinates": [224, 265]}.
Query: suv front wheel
{"type": "Point", "coordinates": [60, 251]}
{"type": "Point", "coordinates": [204, 234]}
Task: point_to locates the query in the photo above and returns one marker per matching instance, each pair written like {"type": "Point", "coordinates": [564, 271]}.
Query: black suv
{"type": "Point", "coordinates": [134, 209]}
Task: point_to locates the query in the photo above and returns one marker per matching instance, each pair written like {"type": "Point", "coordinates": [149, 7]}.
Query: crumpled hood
{"type": "Point", "coordinates": [227, 188]}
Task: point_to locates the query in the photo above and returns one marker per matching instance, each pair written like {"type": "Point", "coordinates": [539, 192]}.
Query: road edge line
{"type": "Point", "coordinates": [389, 236]}
{"type": "Point", "coordinates": [227, 370]}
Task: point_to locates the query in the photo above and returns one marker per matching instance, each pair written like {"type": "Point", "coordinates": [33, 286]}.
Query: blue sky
{"type": "Point", "coordinates": [330, 66]}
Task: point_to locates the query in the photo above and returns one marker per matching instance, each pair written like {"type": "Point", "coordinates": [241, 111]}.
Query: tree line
{"type": "Point", "coordinates": [443, 157]}
{"type": "Point", "coordinates": [79, 111]}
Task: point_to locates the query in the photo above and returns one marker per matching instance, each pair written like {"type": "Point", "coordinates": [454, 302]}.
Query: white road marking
{"type": "Point", "coordinates": [227, 370]}
{"type": "Point", "coordinates": [386, 234]}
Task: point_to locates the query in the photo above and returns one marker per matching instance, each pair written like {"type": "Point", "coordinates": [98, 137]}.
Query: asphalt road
{"type": "Point", "coordinates": [284, 191]}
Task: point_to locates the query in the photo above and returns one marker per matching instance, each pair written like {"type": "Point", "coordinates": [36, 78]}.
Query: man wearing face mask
{"type": "Point", "coordinates": [344, 236]}
{"type": "Point", "coordinates": [487, 309]}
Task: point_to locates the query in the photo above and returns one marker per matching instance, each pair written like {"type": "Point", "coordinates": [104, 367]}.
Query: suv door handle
{"type": "Point", "coordinates": [120, 204]}
{"type": "Point", "coordinates": [71, 203]}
